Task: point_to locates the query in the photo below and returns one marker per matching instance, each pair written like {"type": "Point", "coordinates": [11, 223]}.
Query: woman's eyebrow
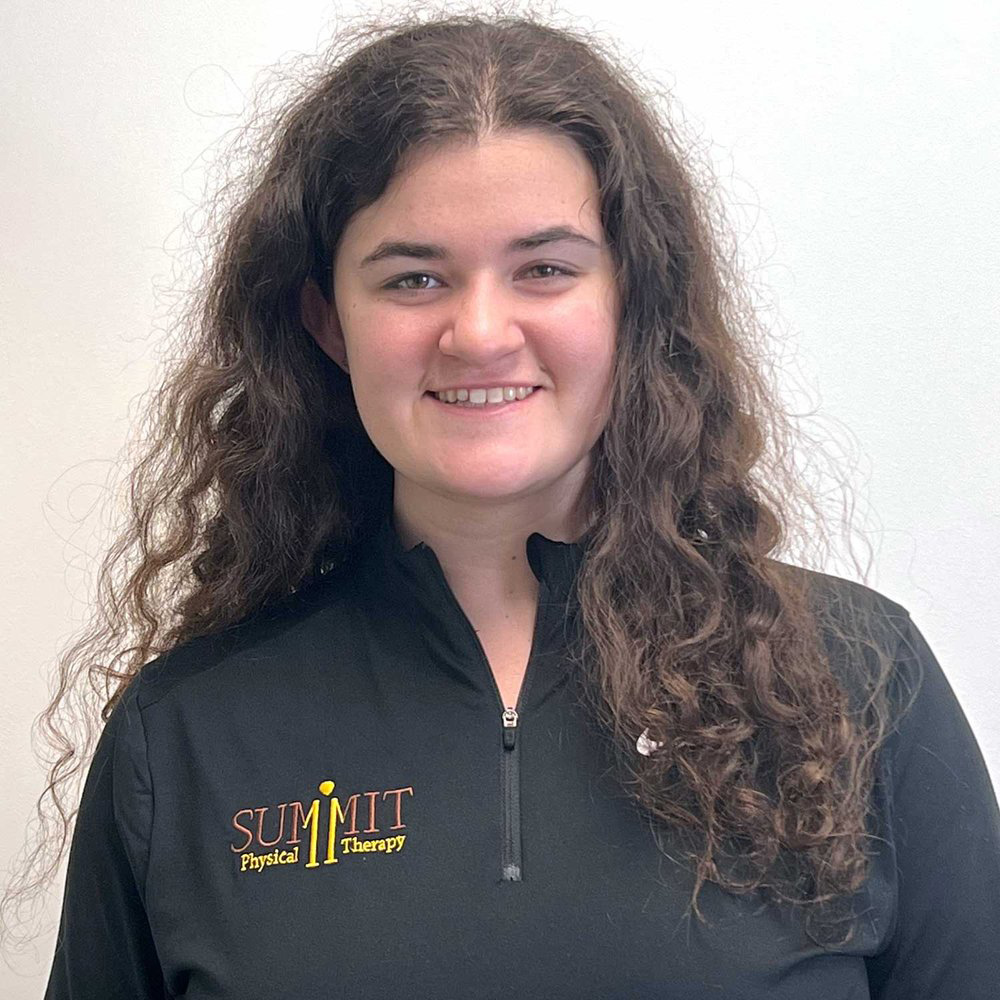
{"type": "Point", "coordinates": [434, 251]}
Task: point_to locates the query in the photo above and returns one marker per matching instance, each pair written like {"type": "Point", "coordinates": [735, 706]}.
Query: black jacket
{"type": "Point", "coordinates": [329, 800]}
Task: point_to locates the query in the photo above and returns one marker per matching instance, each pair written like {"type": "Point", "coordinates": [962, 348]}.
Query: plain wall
{"type": "Point", "coordinates": [858, 147]}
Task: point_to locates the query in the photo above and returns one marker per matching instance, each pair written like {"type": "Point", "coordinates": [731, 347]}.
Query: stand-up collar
{"type": "Point", "coordinates": [554, 563]}
{"type": "Point", "coordinates": [412, 581]}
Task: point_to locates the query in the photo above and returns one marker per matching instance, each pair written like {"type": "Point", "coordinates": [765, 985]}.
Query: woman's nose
{"type": "Point", "coordinates": [485, 321]}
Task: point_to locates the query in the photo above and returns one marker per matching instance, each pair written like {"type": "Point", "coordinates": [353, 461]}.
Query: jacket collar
{"type": "Point", "coordinates": [410, 585]}
{"type": "Point", "coordinates": [554, 564]}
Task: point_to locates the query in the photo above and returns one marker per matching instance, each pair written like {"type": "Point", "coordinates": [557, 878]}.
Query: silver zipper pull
{"type": "Point", "coordinates": [509, 721]}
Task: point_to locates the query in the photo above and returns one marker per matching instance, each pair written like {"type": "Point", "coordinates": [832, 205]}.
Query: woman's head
{"type": "Point", "coordinates": [467, 134]}
{"type": "Point", "coordinates": [505, 281]}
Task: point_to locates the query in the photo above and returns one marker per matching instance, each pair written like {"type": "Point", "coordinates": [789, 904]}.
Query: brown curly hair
{"type": "Point", "coordinates": [257, 476]}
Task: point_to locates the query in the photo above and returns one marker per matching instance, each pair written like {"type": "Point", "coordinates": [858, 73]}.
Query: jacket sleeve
{"type": "Point", "coordinates": [104, 946]}
{"type": "Point", "coordinates": [945, 943]}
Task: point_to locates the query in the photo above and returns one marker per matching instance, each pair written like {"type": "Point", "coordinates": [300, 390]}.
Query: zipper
{"type": "Point", "coordinates": [510, 753]}
{"type": "Point", "coordinates": [510, 779]}
{"type": "Point", "coordinates": [510, 750]}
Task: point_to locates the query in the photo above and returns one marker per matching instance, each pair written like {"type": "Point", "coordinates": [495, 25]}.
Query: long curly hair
{"type": "Point", "coordinates": [257, 475]}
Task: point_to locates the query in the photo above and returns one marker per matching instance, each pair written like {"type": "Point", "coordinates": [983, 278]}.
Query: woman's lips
{"type": "Point", "coordinates": [488, 409]}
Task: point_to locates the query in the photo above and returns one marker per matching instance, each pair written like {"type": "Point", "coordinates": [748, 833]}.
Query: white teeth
{"type": "Point", "coordinates": [480, 397]}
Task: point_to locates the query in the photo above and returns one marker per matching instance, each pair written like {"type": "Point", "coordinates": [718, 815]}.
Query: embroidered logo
{"type": "Point", "coordinates": [296, 829]}
{"type": "Point", "coordinates": [646, 746]}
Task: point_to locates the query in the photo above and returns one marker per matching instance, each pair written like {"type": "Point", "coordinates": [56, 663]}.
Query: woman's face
{"type": "Point", "coordinates": [451, 280]}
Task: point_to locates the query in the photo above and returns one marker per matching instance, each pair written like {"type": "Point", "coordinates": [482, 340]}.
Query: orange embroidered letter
{"type": "Point", "coordinates": [240, 850]}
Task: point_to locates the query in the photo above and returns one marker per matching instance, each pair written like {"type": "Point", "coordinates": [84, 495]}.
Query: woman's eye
{"type": "Point", "coordinates": [551, 267]}
{"type": "Point", "coordinates": [400, 283]}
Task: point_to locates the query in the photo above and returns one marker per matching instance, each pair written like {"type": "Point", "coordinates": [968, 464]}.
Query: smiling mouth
{"type": "Point", "coordinates": [467, 407]}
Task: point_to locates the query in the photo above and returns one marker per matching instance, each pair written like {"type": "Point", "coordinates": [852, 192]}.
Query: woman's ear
{"type": "Point", "coordinates": [320, 318]}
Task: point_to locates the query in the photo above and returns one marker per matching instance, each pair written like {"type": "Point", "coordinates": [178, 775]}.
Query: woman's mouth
{"type": "Point", "coordinates": [467, 409]}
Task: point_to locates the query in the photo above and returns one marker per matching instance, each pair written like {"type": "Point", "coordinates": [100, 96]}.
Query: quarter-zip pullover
{"type": "Point", "coordinates": [330, 799]}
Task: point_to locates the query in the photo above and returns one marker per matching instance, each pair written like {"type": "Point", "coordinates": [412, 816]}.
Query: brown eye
{"type": "Point", "coordinates": [398, 282]}
{"type": "Point", "coordinates": [550, 267]}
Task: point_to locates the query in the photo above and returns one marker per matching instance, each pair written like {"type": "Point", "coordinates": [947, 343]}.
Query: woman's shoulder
{"type": "Point", "coordinates": [844, 605]}
{"type": "Point", "coordinates": [866, 635]}
{"type": "Point", "coordinates": [829, 587]}
{"type": "Point", "coordinates": [281, 632]}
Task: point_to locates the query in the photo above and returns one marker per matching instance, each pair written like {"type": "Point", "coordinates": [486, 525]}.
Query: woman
{"type": "Point", "coordinates": [464, 665]}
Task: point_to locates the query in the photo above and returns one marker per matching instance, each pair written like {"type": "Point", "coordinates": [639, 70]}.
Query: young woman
{"type": "Point", "coordinates": [458, 660]}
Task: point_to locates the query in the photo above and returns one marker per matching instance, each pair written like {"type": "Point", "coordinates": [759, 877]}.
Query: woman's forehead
{"type": "Point", "coordinates": [514, 194]}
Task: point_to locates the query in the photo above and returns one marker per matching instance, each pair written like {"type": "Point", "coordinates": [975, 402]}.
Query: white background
{"type": "Point", "coordinates": [858, 147]}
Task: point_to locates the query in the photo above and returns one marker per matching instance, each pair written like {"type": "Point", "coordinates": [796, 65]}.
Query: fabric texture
{"type": "Point", "coordinates": [329, 800]}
